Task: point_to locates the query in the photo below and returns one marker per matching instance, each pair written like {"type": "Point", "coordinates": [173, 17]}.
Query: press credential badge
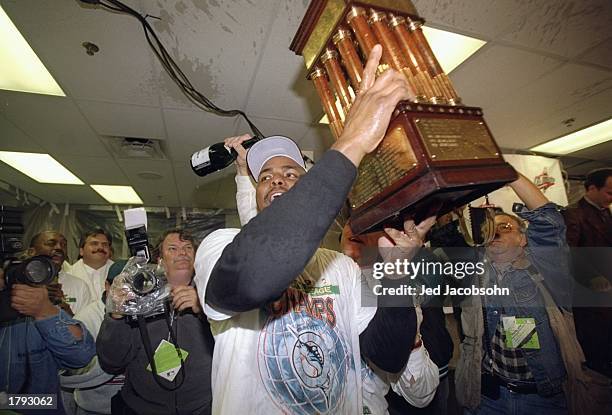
{"type": "Point", "coordinates": [520, 332]}
{"type": "Point", "coordinates": [167, 360]}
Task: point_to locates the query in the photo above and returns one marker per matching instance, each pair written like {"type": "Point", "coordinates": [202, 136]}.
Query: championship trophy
{"type": "Point", "coordinates": [438, 153]}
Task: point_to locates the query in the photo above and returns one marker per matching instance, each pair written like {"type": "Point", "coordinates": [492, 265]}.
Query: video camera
{"type": "Point", "coordinates": [144, 289]}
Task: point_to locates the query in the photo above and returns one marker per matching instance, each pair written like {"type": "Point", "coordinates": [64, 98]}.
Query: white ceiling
{"type": "Point", "coordinates": [546, 61]}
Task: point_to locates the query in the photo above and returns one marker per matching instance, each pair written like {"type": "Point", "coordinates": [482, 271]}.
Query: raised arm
{"type": "Point", "coordinates": [528, 192]}
{"type": "Point", "coordinates": [275, 246]}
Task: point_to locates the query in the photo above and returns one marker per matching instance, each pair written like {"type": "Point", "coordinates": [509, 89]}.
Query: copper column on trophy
{"type": "Point", "coordinates": [434, 69]}
{"type": "Point", "coordinates": [350, 58]}
{"type": "Point", "coordinates": [357, 20]}
{"type": "Point", "coordinates": [319, 79]}
{"type": "Point", "coordinates": [378, 22]}
{"type": "Point", "coordinates": [329, 59]}
{"type": "Point", "coordinates": [408, 45]}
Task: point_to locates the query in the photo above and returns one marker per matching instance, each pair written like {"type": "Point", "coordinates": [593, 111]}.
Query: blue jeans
{"type": "Point", "coordinates": [510, 403]}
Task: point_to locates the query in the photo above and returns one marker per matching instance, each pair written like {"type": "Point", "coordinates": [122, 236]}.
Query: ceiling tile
{"type": "Point", "coordinates": [14, 139]}
{"type": "Point", "coordinates": [54, 123]}
{"type": "Point", "coordinates": [497, 71]}
{"type": "Point", "coordinates": [487, 18]}
{"type": "Point", "coordinates": [201, 192]}
{"type": "Point", "coordinates": [216, 44]}
{"type": "Point", "coordinates": [157, 192]}
{"type": "Point", "coordinates": [601, 152]}
{"type": "Point", "coordinates": [190, 131]}
{"type": "Point", "coordinates": [123, 120]}
{"type": "Point", "coordinates": [121, 71]}
{"type": "Point", "coordinates": [600, 54]}
{"type": "Point", "coordinates": [280, 88]}
{"type": "Point", "coordinates": [272, 126]}
{"type": "Point", "coordinates": [511, 118]}
{"type": "Point", "coordinates": [564, 27]}
{"type": "Point", "coordinates": [584, 113]}
{"type": "Point", "coordinates": [94, 170]}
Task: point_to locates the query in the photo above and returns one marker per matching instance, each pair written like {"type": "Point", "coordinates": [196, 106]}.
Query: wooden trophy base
{"type": "Point", "coordinates": [433, 159]}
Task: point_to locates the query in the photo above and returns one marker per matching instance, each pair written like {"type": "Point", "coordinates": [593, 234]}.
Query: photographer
{"type": "Point", "coordinates": [35, 346]}
{"type": "Point", "coordinates": [121, 347]}
{"type": "Point", "coordinates": [70, 292]}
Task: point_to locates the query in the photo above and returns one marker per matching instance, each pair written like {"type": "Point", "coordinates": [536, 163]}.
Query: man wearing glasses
{"type": "Point", "coordinates": [511, 361]}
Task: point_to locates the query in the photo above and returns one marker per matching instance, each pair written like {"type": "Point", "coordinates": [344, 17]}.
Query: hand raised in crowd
{"type": "Point", "coordinates": [371, 112]}
{"type": "Point", "coordinates": [236, 144]}
{"type": "Point", "coordinates": [404, 244]}
{"type": "Point", "coordinates": [32, 301]}
{"type": "Point", "coordinates": [184, 297]}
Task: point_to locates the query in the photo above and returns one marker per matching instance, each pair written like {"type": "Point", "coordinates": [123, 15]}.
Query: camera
{"type": "Point", "coordinates": [142, 289]}
{"type": "Point", "coordinates": [38, 270]}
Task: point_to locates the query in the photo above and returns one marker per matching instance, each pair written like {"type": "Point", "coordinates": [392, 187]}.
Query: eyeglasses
{"type": "Point", "coordinates": [504, 227]}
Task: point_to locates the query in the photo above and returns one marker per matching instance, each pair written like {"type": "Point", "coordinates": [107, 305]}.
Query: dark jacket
{"type": "Point", "coordinates": [590, 229]}
{"type": "Point", "coordinates": [120, 348]}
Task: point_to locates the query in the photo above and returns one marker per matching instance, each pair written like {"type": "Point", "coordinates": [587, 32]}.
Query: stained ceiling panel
{"type": "Point", "coordinates": [467, 16]}
{"type": "Point", "coordinates": [280, 88]}
{"type": "Point", "coordinates": [216, 44]}
{"type": "Point", "coordinates": [565, 28]}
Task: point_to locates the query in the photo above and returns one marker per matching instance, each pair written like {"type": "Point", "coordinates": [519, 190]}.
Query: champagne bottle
{"type": "Point", "coordinates": [216, 157]}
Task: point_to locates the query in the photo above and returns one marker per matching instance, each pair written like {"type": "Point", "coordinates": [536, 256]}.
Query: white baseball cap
{"type": "Point", "coordinates": [270, 147]}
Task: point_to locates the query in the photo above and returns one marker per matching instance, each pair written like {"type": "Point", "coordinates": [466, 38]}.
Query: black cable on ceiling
{"type": "Point", "coordinates": [173, 70]}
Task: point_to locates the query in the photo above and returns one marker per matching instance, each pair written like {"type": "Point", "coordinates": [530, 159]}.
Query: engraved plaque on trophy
{"type": "Point", "coordinates": [437, 153]}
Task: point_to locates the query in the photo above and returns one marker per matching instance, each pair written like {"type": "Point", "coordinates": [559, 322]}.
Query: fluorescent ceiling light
{"type": "Point", "coordinates": [451, 50]}
{"type": "Point", "coordinates": [41, 167]}
{"type": "Point", "coordinates": [118, 194]}
{"type": "Point", "coordinates": [20, 69]}
{"type": "Point", "coordinates": [578, 140]}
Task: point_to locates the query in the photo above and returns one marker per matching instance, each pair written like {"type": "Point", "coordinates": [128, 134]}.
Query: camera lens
{"type": "Point", "coordinates": [39, 270]}
{"type": "Point", "coordinates": [144, 282]}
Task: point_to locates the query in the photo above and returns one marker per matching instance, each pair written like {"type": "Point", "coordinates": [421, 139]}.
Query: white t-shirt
{"type": "Point", "coordinates": [301, 353]}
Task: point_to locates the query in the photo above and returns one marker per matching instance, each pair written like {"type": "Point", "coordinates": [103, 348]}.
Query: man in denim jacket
{"type": "Point", "coordinates": [37, 345]}
{"type": "Point", "coordinates": [503, 369]}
